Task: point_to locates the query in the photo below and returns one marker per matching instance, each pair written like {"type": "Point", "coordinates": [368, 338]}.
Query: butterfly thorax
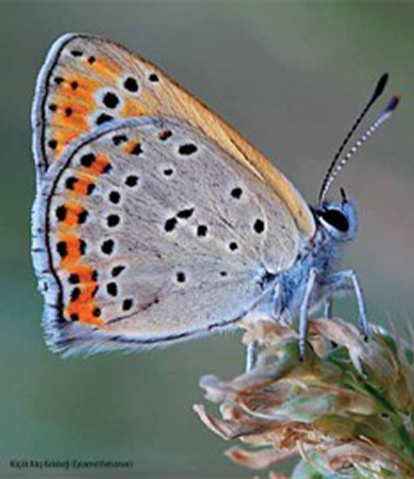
{"type": "Point", "coordinates": [323, 253]}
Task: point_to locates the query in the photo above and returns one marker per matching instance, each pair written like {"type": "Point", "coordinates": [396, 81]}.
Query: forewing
{"type": "Point", "coordinates": [87, 81]}
{"type": "Point", "coordinates": [146, 231]}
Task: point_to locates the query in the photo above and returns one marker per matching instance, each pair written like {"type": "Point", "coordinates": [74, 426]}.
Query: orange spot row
{"type": "Point", "coordinates": [76, 93]}
{"type": "Point", "coordinates": [81, 306]}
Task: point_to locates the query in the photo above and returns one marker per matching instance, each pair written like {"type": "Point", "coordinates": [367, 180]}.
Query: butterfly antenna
{"type": "Point", "coordinates": [386, 113]}
{"type": "Point", "coordinates": [379, 88]}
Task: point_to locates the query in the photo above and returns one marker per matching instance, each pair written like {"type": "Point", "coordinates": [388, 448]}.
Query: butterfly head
{"type": "Point", "coordinates": [338, 219]}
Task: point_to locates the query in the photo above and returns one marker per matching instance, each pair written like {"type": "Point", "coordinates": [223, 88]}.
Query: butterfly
{"type": "Point", "coordinates": [155, 221]}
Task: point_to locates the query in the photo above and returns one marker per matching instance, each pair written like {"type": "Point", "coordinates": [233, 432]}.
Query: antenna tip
{"type": "Point", "coordinates": [382, 82]}
{"type": "Point", "coordinates": [392, 105]}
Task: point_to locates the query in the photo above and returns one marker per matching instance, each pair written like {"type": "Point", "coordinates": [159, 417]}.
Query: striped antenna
{"type": "Point", "coordinates": [333, 172]}
{"type": "Point", "coordinates": [375, 95]}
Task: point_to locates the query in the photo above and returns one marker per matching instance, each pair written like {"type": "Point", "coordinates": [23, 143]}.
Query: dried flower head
{"type": "Point", "coordinates": [346, 411]}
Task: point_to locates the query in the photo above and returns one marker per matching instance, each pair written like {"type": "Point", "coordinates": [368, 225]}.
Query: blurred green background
{"type": "Point", "coordinates": [289, 76]}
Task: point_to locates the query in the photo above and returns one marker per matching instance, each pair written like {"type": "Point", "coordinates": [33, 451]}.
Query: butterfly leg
{"type": "Point", "coordinates": [347, 280]}
{"type": "Point", "coordinates": [328, 312]}
{"type": "Point", "coordinates": [303, 314]}
{"type": "Point", "coordinates": [328, 307]}
{"type": "Point", "coordinates": [251, 355]}
{"type": "Point", "coordinates": [277, 306]}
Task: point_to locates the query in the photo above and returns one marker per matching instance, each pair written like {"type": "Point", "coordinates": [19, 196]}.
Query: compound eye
{"type": "Point", "coordinates": [336, 219]}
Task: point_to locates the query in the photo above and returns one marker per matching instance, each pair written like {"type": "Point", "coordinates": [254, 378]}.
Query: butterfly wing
{"type": "Point", "coordinates": [87, 81]}
{"type": "Point", "coordinates": [147, 231]}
